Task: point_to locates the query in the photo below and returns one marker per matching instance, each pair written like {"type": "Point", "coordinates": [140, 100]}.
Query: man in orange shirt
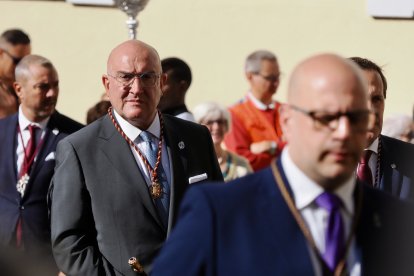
{"type": "Point", "coordinates": [255, 131]}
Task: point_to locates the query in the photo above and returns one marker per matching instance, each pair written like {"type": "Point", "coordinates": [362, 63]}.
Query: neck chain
{"type": "Point", "coordinates": [378, 165]}
{"type": "Point", "coordinates": [155, 187]}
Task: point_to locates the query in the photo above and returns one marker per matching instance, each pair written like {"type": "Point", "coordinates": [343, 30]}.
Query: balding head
{"type": "Point", "coordinates": [319, 71]}
{"type": "Point", "coordinates": [131, 51]}
{"type": "Point", "coordinates": [326, 120]}
{"type": "Point", "coordinates": [134, 81]}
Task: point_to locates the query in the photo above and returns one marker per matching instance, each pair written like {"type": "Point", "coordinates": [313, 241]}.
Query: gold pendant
{"type": "Point", "coordinates": [156, 190]}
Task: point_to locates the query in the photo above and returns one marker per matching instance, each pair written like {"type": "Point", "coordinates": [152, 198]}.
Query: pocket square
{"type": "Point", "coordinates": [197, 178]}
{"type": "Point", "coordinates": [50, 156]}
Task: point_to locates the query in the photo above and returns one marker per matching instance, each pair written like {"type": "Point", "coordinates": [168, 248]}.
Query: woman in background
{"type": "Point", "coordinates": [217, 120]}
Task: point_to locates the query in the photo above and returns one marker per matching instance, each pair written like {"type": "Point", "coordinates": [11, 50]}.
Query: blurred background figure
{"type": "Point", "coordinates": [97, 111]}
{"type": "Point", "coordinates": [217, 119]}
{"type": "Point", "coordinates": [255, 131]}
{"type": "Point", "coordinates": [399, 126]}
{"type": "Point", "coordinates": [173, 93]}
{"type": "Point", "coordinates": [14, 45]}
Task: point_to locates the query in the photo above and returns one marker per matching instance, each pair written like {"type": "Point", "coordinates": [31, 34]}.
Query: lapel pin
{"type": "Point", "coordinates": [393, 166]}
{"type": "Point", "coordinates": [55, 131]}
{"type": "Point", "coordinates": [181, 145]}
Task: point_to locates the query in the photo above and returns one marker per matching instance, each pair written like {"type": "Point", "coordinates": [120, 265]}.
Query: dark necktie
{"type": "Point", "coordinates": [150, 152]}
{"type": "Point", "coordinates": [334, 233]}
{"type": "Point", "coordinates": [364, 172]}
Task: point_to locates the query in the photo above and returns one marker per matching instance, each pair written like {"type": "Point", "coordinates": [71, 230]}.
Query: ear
{"type": "Point", "coordinates": [249, 76]}
{"type": "Point", "coordinates": [18, 89]}
{"type": "Point", "coordinates": [163, 80]}
{"type": "Point", "coordinates": [105, 82]}
{"type": "Point", "coordinates": [284, 119]}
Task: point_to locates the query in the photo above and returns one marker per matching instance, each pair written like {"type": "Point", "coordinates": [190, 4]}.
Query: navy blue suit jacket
{"type": "Point", "coordinates": [245, 228]}
{"type": "Point", "coordinates": [397, 167]}
{"type": "Point", "coordinates": [32, 207]}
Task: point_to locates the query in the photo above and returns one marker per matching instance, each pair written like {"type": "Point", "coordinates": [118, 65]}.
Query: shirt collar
{"type": "Point", "coordinates": [374, 146]}
{"type": "Point", "coordinates": [24, 122]}
{"type": "Point", "coordinates": [258, 104]}
{"type": "Point", "coordinates": [305, 190]}
{"type": "Point", "coordinates": [132, 132]}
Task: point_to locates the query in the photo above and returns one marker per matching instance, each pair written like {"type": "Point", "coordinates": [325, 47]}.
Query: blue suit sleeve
{"type": "Point", "coordinates": [189, 249]}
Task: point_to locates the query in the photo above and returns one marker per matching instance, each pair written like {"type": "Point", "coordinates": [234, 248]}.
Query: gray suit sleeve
{"type": "Point", "coordinates": [72, 225]}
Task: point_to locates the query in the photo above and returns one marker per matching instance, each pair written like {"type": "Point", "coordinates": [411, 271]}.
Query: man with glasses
{"type": "Point", "coordinates": [255, 131]}
{"type": "Point", "coordinates": [14, 45]}
{"type": "Point", "coordinates": [119, 181]}
{"type": "Point", "coordinates": [28, 142]}
{"type": "Point", "coordinates": [305, 214]}
{"type": "Point", "coordinates": [389, 161]}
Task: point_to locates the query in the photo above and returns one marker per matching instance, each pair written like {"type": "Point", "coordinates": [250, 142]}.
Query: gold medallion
{"type": "Point", "coordinates": [156, 190]}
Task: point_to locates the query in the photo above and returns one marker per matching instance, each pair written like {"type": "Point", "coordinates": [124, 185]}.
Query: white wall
{"type": "Point", "coordinates": [214, 37]}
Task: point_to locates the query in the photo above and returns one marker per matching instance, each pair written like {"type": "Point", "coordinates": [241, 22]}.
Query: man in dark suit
{"type": "Point", "coordinates": [23, 188]}
{"type": "Point", "coordinates": [304, 215]}
{"type": "Point", "coordinates": [390, 160]}
{"type": "Point", "coordinates": [110, 202]}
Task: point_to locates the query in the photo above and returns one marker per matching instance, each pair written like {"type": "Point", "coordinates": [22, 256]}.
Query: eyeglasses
{"type": "Point", "coordinates": [16, 60]}
{"type": "Point", "coordinates": [147, 79]}
{"type": "Point", "coordinates": [44, 87]}
{"type": "Point", "coordinates": [270, 78]}
{"type": "Point", "coordinates": [360, 120]}
{"type": "Point", "coordinates": [221, 122]}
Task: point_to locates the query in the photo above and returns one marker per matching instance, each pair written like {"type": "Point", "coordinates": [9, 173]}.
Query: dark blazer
{"type": "Point", "coordinates": [246, 228]}
{"type": "Point", "coordinates": [32, 207]}
{"type": "Point", "coordinates": [102, 213]}
{"type": "Point", "coordinates": [397, 167]}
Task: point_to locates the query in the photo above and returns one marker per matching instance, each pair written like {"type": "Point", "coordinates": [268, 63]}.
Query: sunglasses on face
{"type": "Point", "coordinates": [16, 60]}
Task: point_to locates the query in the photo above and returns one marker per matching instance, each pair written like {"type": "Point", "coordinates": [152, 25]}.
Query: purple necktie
{"type": "Point", "coordinates": [364, 172]}
{"type": "Point", "coordinates": [334, 234]}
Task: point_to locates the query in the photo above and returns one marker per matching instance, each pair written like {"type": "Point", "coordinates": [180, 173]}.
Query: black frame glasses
{"type": "Point", "coordinates": [146, 79]}
{"type": "Point", "coordinates": [359, 120]}
{"type": "Point", "coordinates": [16, 60]}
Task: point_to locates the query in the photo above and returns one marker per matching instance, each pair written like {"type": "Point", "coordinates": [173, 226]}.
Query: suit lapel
{"type": "Point", "coordinates": [392, 180]}
{"type": "Point", "coordinates": [177, 149]}
{"type": "Point", "coordinates": [289, 240]}
{"type": "Point", "coordinates": [10, 150]}
{"type": "Point", "coordinates": [119, 154]}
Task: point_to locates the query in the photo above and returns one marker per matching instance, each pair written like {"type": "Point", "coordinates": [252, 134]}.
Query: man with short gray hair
{"type": "Point", "coordinates": [28, 142]}
{"type": "Point", "coordinates": [255, 131]}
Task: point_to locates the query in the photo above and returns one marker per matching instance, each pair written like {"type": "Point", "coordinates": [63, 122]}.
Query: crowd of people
{"type": "Point", "coordinates": [318, 185]}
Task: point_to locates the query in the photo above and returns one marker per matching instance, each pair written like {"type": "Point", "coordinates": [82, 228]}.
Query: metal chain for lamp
{"type": "Point", "coordinates": [131, 8]}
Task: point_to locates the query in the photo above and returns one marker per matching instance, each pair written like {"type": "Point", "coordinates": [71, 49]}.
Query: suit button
{"type": "Point", "coordinates": [21, 207]}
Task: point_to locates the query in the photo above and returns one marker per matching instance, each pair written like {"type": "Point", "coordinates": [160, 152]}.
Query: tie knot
{"type": "Point", "coordinates": [328, 201]}
{"type": "Point", "coordinates": [32, 128]}
{"type": "Point", "coordinates": [365, 157]}
{"type": "Point", "coordinates": [146, 136]}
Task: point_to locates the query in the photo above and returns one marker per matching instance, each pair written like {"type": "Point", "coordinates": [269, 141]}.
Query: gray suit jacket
{"type": "Point", "coordinates": [101, 212]}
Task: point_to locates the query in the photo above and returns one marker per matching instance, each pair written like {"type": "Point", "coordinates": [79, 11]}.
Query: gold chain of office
{"type": "Point", "coordinates": [155, 187]}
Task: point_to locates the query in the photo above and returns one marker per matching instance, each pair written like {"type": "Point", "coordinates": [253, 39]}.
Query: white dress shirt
{"type": "Point", "coordinates": [305, 191]}
{"type": "Point", "coordinates": [23, 136]}
{"type": "Point", "coordinates": [133, 133]}
{"type": "Point", "coordinates": [258, 104]}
